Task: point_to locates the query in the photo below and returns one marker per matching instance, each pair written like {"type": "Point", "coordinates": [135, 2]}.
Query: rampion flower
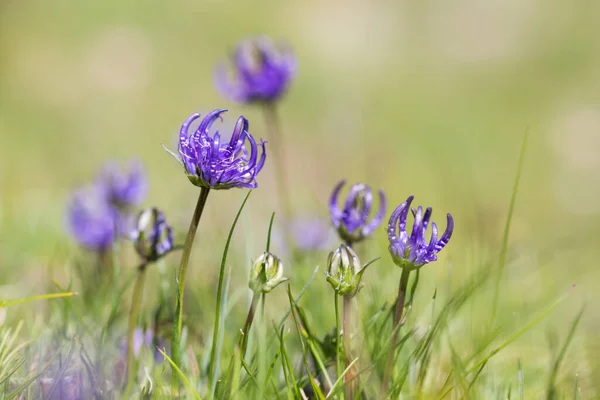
{"type": "Point", "coordinates": [412, 251]}
{"type": "Point", "coordinates": [152, 236]}
{"type": "Point", "coordinates": [352, 222]}
{"type": "Point", "coordinates": [211, 164]}
{"type": "Point", "coordinates": [262, 71]}
{"type": "Point", "coordinates": [92, 221]}
{"type": "Point", "coordinates": [124, 188]}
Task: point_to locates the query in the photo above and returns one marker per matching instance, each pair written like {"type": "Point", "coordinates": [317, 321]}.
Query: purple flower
{"type": "Point", "coordinates": [152, 236]}
{"type": "Point", "coordinates": [215, 165]}
{"type": "Point", "coordinates": [92, 221]}
{"type": "Point", "coordinates": [311, 234]}
{"type": "Point", "coordinates": [146, 339]}
{"type": "Point", "coordinates": [127, 188]}
{"type": "Point", "coordinates": [352, 222]}
{"type": "Point", "coordinates": [412, 251]}
{"type": "Point", "coordinates": [262, 72]}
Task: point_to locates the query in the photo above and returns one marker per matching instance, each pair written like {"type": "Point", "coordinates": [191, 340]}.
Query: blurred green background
{"type": "Point", "coordinates": [430, 98]}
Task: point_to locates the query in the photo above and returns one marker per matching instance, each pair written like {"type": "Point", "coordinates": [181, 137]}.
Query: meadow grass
{"type": "Point", "coordinates": [389, 99]}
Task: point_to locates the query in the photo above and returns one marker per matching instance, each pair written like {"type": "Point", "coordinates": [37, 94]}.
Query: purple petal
{"type": "Point", "coordinates": [376, 221]}
{"type": "Point", "coordinates": [334, 211]}
{"type": "Point", "coordinates": [447, 234]}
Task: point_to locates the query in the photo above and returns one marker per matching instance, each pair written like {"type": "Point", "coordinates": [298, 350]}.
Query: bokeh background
{"type": "Point", "coordinates": [430, 98]}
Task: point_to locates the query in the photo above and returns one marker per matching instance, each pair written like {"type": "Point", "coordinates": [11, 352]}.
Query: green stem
{"type": "Point", "coordinates": [248, 324]}
{"type": "Point", "coordinates": [396, 329]}
{"type": "Point", "coordinates": [278, 153]}
{"type": "Point", "coordinates": [136, 302]}
{"type": "Point", "coordinates": [187, 250]}
{"type": "Point", "coordinates": [351, 377]}
{"type": "Point", "coordinates": [338, 345]}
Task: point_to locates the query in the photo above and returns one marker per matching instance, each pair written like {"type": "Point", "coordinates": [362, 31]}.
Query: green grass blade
{"type": "Point", "coordinates": [182, 376]}
{"type": "Point", "coordinates": [337, 386]}
{"type": "Point", "coordinates": [269, 233]}
{"type": "Point", "coordinates": [294, 307]}
{"type": "Point", "coordinates": [11, 303]}
{"type": "Point", "coordinates": [504, 248]}
{"type": "Point", "coordinates": [551, 388]}
{"type": "Point", "coordinates": [212, 370]}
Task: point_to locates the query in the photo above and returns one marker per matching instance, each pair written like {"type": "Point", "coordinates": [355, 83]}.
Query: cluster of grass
{"type": "Point", "coordinates": [80, 352]}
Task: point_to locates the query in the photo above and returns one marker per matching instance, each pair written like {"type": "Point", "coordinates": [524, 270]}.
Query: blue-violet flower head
{"type": "Point", "coordinates": [152, 236]}
{"type": "Point", "coordinates": [352, 222]}
{"type": "Point", "coordinates": [213, 164]}
{"type": "Point", "coordinates": [124, 188]}
{"type": "Point", "coordinates": [412, 251]}
{"type": "Point", "coordinates": [91, 220]}
{"type": "Point", "coordinates": [262, 72]}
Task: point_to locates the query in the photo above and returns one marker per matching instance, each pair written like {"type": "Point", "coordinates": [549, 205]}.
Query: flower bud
{"type": "Point", "coordinates": [266, 273]}
{"type": "Point", "coordinates": [344, 270]}
{"type": "Point", "coordinates": [152, 236]}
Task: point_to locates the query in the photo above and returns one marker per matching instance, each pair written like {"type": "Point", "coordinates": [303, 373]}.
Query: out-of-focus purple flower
{"type": "Point", "coordinates": [146, 339]}
{"type": "Point", "coordinates": [152, 236]}
{"type": "Point", "coordinates": [211, 164]}
{"type": "Point", "coordinates": [262, 72]}
{"type": "Point", "coordinates": [310, 234]}
{"type": "Point", "coordinates": [91, 220]}
{"type": "Point", "coordinates": [352, 222]}
{"type": "Point", "coordinates": [412, 251]}
{"type": "Point", "coordinates": [124, 188]}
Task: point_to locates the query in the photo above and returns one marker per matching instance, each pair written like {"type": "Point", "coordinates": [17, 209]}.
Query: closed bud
{"type": "Point", "coordinates": [266, 273]}
{"type": "Point", "coordinates": [344, 270]}
{"type": "Point", "coordinates": [152, 236]}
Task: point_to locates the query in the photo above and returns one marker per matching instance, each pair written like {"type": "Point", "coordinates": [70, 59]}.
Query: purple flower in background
{"type": "Point", "coordinates": [91, 220]}
{"type": "Point", "coordinates": [352, 222]}
{"type": "Point", "coordinates": [212, 164]}
{"type": "Point", "coordinates": [152, 236]}
{"type": "Point", "coordinates": [262, 72]}
{"type": "Point", "coordinates": [124, 188]}
{"type": "Point", "coordinates": [146, 339]}
{"type": "Point", "coordinates": [412, 251]}
{"type": "Point", "coordinates": [311, 234]}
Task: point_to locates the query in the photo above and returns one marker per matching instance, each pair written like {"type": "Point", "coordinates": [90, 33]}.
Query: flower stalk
{"type": "Point", "coordinates": [187, 250]}
{"type": "Point", "coordinates": [275, 137]}
{"type": "Point", "coordinates": [249, 319]}
{"type": "Point", "coordinates": [136, 302]}
{"type": "Point", "coordinates": [397, 324]}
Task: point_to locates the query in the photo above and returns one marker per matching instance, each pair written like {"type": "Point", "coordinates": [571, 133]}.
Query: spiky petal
{"type": "Point", "coordinates": [352, 222]}
{"type": "Point", "coordinates": [212, 163]}
{"type": "Point", "coordinates": [412, 250]}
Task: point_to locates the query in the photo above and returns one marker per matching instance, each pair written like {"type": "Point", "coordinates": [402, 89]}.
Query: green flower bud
{"type": "Point", "coordinates": [266, 273]}
{"type": "Point", "coordinates": [344, 270]}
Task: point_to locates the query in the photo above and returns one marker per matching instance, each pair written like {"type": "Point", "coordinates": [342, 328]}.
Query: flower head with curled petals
{"type": "Point", "coordinates": [213, 164]}
{"type": "Point", "coordinates": [124, 188]}
{"type": "Point", "coordinates": [92, 221]}
{"type": "Point", "coordinates": [262, 72]}
{"type": "Point", "coordinates": [352, 222]}
{"type": "Point", "coordinates": [412, 251]}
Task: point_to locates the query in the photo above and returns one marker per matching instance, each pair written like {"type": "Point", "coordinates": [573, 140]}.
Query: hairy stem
{"type": "Point", "coordinates": [248, 324]}
{"type": "Point", "coordinates": [351, 377]}
{"type": "Point", "coordinates": [187, 250]}
{"type": "Point", "coordinates": [396, 329]}
{"type": "Point", "coordinates": [338, 341]}
{"type": "Point", "coordinates": [276, 141]}
{"type": "Point", "coordinates": [136, 303]}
